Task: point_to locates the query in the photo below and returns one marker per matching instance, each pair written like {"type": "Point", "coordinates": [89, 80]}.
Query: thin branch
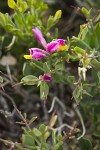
{"type": "Point", "coordinates": [14, 105]}
{"type": "Point", "coordinates": [81, 120]}
{"type": "Point", "coordinates": [64, 125]}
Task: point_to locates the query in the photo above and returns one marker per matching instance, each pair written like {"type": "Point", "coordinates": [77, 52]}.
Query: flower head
{"type": "Point", "coordinates": [51, 47]}
{"type": "Point", "coordinates": [36, 53]}
{"type": "Point", "coordinates": [45, 77]}
{"type": "Point", "coordinates": [61, 45]}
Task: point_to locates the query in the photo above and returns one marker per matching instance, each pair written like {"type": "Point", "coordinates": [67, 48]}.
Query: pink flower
{"type": "Point", "coordinates": [38, 34]}
{"type": "Point", "coordinates": [50, 47]}
{"type": "Point", "coordinates": [37, 53]}
{"type": "Point", "coordinates": [45, 77]}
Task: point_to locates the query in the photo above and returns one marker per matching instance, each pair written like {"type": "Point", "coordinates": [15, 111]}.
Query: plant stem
{"type": "Point", "coordinates": [14, 105]}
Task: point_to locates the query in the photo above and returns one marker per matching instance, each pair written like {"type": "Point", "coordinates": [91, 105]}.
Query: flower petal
{"type": "Point", "coordinates": [62, 48]}
{"type": "Point", "coordinates": [34, 50]}
{"type": "Point", "coordinates": [52, 46]}
{"type": "Point", "coordinates": [61, 41]}
{"type": "Point", "coordinates": [38, 34]}
{"type": "Point", "coordinates": [28, 56]}
{"type": "Point", "coordinates": [38, 55]}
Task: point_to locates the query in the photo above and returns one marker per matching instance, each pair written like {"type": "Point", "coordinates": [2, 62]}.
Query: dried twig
{"type": "Point", "coordinates": [81, 120]}
{"type": "Point", "coordinates": [14, 105]}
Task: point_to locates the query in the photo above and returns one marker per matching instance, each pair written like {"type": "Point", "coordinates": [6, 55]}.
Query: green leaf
{"type": "Point", "coordinates": [46, 68]}
{"type": "Point", "coordinates": [96, 136]}
{"type": "Point", "coordinates": [42, 128]}
{"type": "Point", "coordinates": [27, 69]}
{"type": "Point", "coordinates": [77, 94]}
{"type": "Point", "coordinates": [95, 63]}
{"type": "Point", "coordinates": [58, 77]}
{"type": "Point", "coordinates": [53, 120]}
{"type": "Point", "coordinates": [37, 64]}
{"type": "Point", "coordinates": [46, 135]}
{"type": "Point", "coordinates": [23, 6]}
{"type": "Point", "coordinates": [85, 11]}
{"type": "Point", "coordinates": [85, 144]}
{"type": "Point", "coordinates": [12, 4]}
{"type": "Point", "coordinates": [32, 120]}
{"type": "Point", "coordinates": [54, 139]}
{"type": "Point", "coordinates": [53, 20]}
{"type": "Point", "coordinates": [83, 32]}
{"type": "Point", "coordinates": [50, 22]}
{"type": "Point", "coordinates": [29, 80]}
{"type": "Point", "coordinates": [19, 146]}
{"type": "Point", "coordinates": [18, 20]}
{"type": "Point", "coordinates": [98, 76]}
{"type": "Point", "coordinates": [70, 79]}
{"type": "Point", "coordinates": [17, 32]}
{"type": "Point", "coordinates": [44, 90]}
{"type": "Point", "coordinates": [3, 20]}
{"type": "Point", "coordinates": [27, 140]}
{"type": "Point", "coordinates": [9, 28]}
{"type": "Point", "coordinates": [37, 132]}
{"type": "Point", "coordinates": [57, 146]}
{"type": "Point", "coordinates": [1, 80]}
{"type": "Point", "coordinates": [79, 50]}
{"type": "Point", "coordinates": [60, 137]}
{"type": "Point", "coordinates": [57, 16]}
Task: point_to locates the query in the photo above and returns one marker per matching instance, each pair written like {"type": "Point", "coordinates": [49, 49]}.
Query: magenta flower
{"type": "Point", "coordinates": [45, 77]}
{"type": "Point", "coordinates": [38, 34]}
{"type": "Point", "coordinates": [36, 53]}
{"type": "Point", "coordinates": [52, 46]}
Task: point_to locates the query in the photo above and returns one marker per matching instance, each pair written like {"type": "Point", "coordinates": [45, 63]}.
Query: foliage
{"type": "Point", "coordinates": [49, 65]}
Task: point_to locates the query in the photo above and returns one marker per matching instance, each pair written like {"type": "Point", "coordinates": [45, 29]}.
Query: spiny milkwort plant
{"type": "Point", "coordinates": [50, 63]}
{"type": "Point", "coordinates": [83, 48]}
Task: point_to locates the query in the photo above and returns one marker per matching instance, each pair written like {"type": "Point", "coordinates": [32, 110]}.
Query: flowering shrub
{"type": "Point", "coordinates": [50, 64]}
{"type": "Point", "coordinates": [57, 52]}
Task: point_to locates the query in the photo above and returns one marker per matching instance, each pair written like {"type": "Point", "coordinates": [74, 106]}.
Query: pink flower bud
{"type": "Point", "coordinates": [47, 77]}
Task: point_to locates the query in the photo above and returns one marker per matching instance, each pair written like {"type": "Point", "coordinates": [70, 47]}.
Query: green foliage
{"type": "Point", "coordinates": [30, 80]}
{"type": "Point", "coordinates": [12, 4]}
{"type": "Point", "coordinates": [83, 49]}
{"type": "Point", "coordinates": [85, 144]}
{"type": "Point", "coordinates": [36, 138]}
{"type": "Point", "coordinates": [54, 19]}
{"type": "Point", "coordinates": [44, 90]}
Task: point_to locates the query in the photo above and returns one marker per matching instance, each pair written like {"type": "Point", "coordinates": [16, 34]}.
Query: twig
{"type": "Point", "coordinates": [55, 99]}
{"type": "Point", "coordinates": [81, 120]}
{"type": "Point", "coordinates": [9, 73]}
{"type": "Point", "coordinates": [64, 125]}
{"type": "Point", "coordinates": [14, 105]}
